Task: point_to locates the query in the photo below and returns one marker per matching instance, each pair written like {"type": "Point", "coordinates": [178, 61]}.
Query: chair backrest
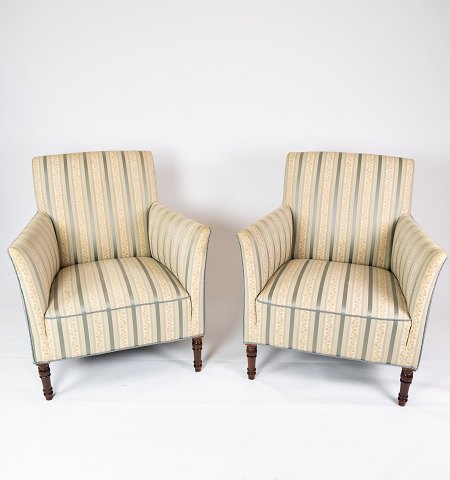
{"type": "Point", "coordinates": [98, 202]}
{"type": "Point", "coordinates": [345, 205]}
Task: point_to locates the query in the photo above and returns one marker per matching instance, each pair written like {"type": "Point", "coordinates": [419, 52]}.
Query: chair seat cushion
{"type": "Point", "coordinates": [334, 308]}
{"type": "Point", "coordinates": [113, 304]}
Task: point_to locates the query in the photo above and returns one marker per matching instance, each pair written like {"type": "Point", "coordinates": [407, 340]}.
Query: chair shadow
{"type": "Point", "coordinates": [327, 369]}
{"type": "Point", "coordinates": [93, 369]}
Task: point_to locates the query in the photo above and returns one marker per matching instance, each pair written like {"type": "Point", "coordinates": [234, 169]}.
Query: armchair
{"type": "Point", "coordinates": [341, 268]}
{"type": "Point", "coordinates": [103, 266]}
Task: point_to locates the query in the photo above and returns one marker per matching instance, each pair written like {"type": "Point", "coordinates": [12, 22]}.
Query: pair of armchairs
{"type": "Point", "coordinates": [340, 269]}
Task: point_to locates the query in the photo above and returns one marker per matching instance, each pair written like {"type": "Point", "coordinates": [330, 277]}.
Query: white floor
{"type": "Point", "coordinates": [145, 413]}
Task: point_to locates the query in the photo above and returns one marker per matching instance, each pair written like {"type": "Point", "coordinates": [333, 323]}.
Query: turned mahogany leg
{"type": "Point", "coordinates": [197, 343]}
{"type": "Point", "coordinates": [44, 373]}
{"type": "Point", "coordinates": [251, 356]}
{"type": "Point", "coordinates": [406, 377]}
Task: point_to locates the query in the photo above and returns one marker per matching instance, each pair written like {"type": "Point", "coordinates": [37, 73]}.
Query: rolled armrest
{"type": "Point", "coordinates": [35, 257]}
{"type": "Point", "coordinates": [416, 262]}
{"type": "Point", "coordinates": [181, 245]}
{"type": "Point", "coordinates": [265, 246]}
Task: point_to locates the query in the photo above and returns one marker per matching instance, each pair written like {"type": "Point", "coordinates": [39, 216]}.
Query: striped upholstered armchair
{"type": "Point", "coordinates": [341, 268]}
{"type": "Point", "coordinates": [103, 266]}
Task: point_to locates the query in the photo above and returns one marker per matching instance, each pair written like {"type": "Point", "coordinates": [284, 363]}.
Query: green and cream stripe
{"type": "Point", "coordinates": [181, 245]}
{"type": "Point", "coordinates": [332, 308]}
{"type": "Point", "coordinates": [93, 223]}
{"type": "Point", "coordinates": [356, 274]}
{"type": "Point", "coordinates": [265, 246]}
{"type": "Point", "coordinates": [98, 202]}
{"type": "Point", "coordinates": [98, 307]}
{"type": "Point", "coordinates": [345, 205]}
{"type": "Point", "coordinates": [36, 260]}
{"type": "Point", "coordinates": [416, 262]}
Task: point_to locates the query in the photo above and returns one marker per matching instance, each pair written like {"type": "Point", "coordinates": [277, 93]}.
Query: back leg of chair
{"type": "Point", "coordinates": [252, 351]}
{"type": "Point", "coordinates": [406, 377]}
{"type": "Point", "coordinates": [197, 344]}
{"type": "Point", "coordinates": [44, 374]}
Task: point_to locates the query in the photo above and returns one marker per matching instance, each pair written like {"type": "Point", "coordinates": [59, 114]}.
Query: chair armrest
{"type": "Point", "coordinates": [35, 257]}
{"type": "Point", "coordinates": [265, 246]}
{"type": "Point", "coordinates": [416, 262]}
{"type": "Point", "coordinates": [181, 244]}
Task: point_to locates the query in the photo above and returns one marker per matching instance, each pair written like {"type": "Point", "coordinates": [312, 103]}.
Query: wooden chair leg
{"type": "Point", "coordinates": [197, 343]}
{"type": "Point", "coordinates": [406, 377]}
{"type": "Point", "coordinates": [44, 374]}
{"type": "Point", "coordinates": [252, 351]}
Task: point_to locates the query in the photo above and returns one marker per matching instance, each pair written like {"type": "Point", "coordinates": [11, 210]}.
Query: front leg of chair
{"type": "Point", "coordinates": [44, 374]}
{"type": "Point", "coordinates": [406, 377]}
{"type": "Point", "coordinates": [252, 351]}
{"type": "Point", "coordinates": [197, 344]}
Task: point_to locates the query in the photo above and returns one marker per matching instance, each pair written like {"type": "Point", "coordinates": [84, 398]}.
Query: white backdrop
{"type": "Point", "coordinates": [220, 91]}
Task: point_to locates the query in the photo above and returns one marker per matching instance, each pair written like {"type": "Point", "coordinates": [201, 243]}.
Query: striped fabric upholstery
{"type": "Point", "coordinates": [345, 205]}
{"type": "Point", "coordinates": [36, 260]}
{"type": "Point", "coordinates": [85, 266]}
{"type": "Point", "coordinates": [265, 246]}
{"type": "Point", "coordinates": [416, 262]}
{"type": "Point", "coordinates": [333, 308]}
{"type": "Point", "coordinates": [115, 304]}
{"type": "Point", "coordinates": [98, 202]}
{"type": "Point", "coordinates": [181, 245]}
{"type": "Point", "coordinates": [341, 269]}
